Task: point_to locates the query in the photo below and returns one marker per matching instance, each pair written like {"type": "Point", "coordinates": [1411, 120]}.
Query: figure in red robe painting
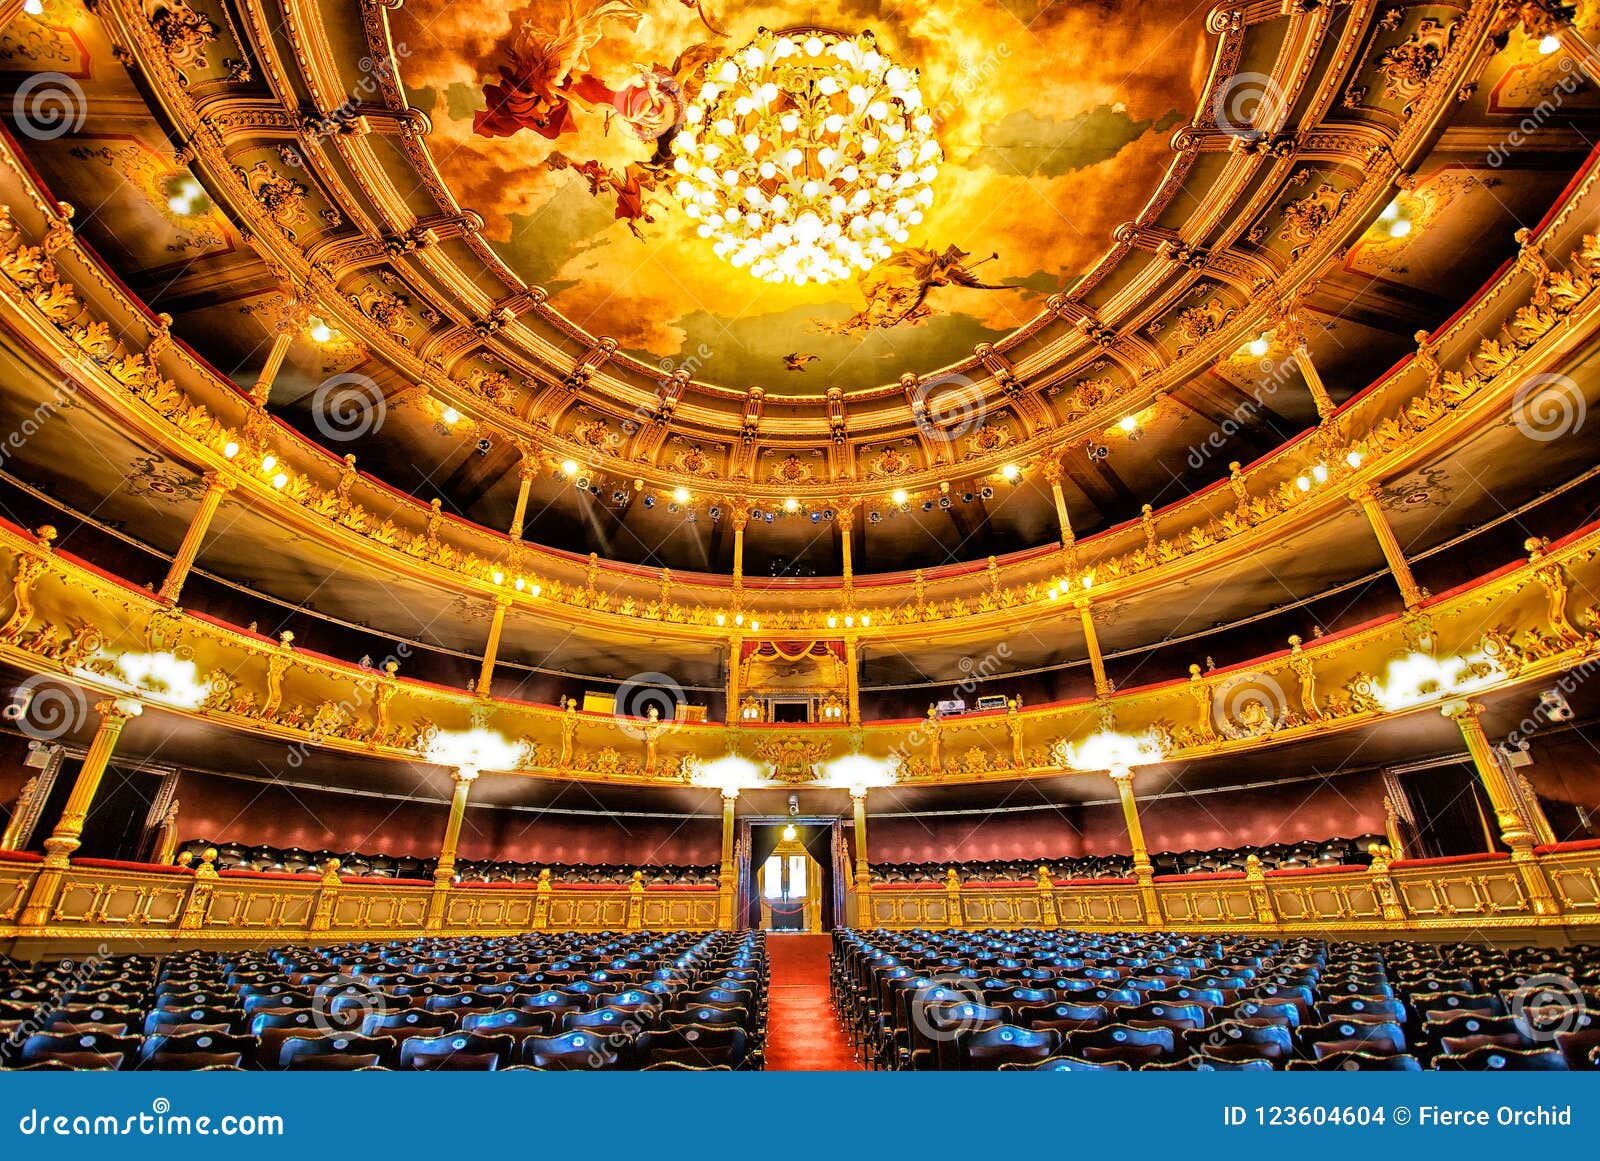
{"type": "Point", "coordinates": [545, 71]}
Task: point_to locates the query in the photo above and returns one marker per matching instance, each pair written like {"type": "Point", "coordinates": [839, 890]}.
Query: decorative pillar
{"type": "Point", "coordinates": [289, 323]}
{"type": "Point", "coordinates": [327, 897]}
{"type": "Point", "coordinates": [1255, 876]}
{"type": "Point", "coordinates": [1053, 474]}
{"type": "Point", "coordinates": [217, 486]}
{"type": "Point", "coordinates": [114, 714]}
{"type": "Point", "coordinates": [1391, 828]}
{"type": "Point", "coordinates": [1046, 887]}
{"type": "Point", "coordinates": [197, 907]}
{"type": "Point", "coordinates": [1291, 331]}
{"type": "Point", "coordinates": [444, 873]}
{"type": "Point", "coordinates": [1367, 496]}
{"type": "Point", "coordinates": [9, 11]}
{"type": "Point", "coordinates": [858, 802]}
{"type": "Point", "coordinates": [735, 648]}
{"type": "Point", "coordinates": [952, 898]}
{"type": "Point", "coordinates": [1514, 829]}
{"type": "Point", "coordinates": [1102, 687]}
{"type": "Point", "coordinates": [846, 519]}
{"type": "Point", "coordinates": [525, 476]}
{"type": "Point", "coordinates": [35, 793]}
{"type": "Point", "coordinates": [852, 679]}
{"type": "Point", "coordinates": [1383, 888]}
{"type": "Point", "coordinates": [1143, 872]}
{"type": "Point", "coordinates": [496, 627]}
{"type": "Point", "coordinates": [635, 916]}
{"type": "Point", "coordinates": [727, 875]}
{"type": "Point", "coordinates": [740, 518]}
{"type": "Point", "coordinates": [541, 900]}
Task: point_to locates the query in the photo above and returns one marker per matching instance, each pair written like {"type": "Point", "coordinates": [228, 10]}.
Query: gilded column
{"type": "Point", "coordinates": [289, 324]}
{"type": "Point", "coordinates": [1367, 496]}
{"type": "Point", "coordinates": [727, 874]}
{"type": "Point", "coordinates": [1102, 687]}
{"type": "Point", "coordinates": [217, 486]}
{"type": "Point", "coordinates": [114, 714]}
{"type": "Point", "coordinates": [525, 476]}
{"type": "Point", "coordinates": [952, 898]}
{"type": "Point", "coordinates": [1514, 829]}
{"type": "Point", "coordinates": [1053, 474]}
{"type": "Point", "coordinates": [858, 802]}
{"type": "Point", "coordinates": [1291, 332]}
{"type": "Point", "coordinates": [846, 520]}
{"type": "Point", "coordinates": [740, 518]}
{"type": "Point", "coordinates": [735, 648]}
{"type": "Point", "coordinates": [1143, 872]}
{"type": "Point", "coordinates": [9, 11]}
{"type": "Point", "coordinates": [496, 627]}
{"type": "Point", "coordinates": [852, 679]}
{"type": "Point", "coordinates": [444, 873]}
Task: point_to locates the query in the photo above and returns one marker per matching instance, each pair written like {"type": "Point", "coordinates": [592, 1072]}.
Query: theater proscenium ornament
{"type": "Point", "coordinates": [807, 156]}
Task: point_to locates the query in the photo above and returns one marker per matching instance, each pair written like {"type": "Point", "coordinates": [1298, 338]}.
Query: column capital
{"type": "Point", "coordinates": [1462, 711]}
{"type": "Point", "coordinates": [1122, 776]}
{"type": "Point", "coordinates": [118, 710]}
{"type": "Point", "coordinates": [1365, 493]}
{"type": "Point", "coordinates": [730, 795]}
{"type": "Point", "coordinates": [465, 775]}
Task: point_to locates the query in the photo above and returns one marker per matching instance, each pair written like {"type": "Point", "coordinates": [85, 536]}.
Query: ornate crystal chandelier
{"type": "Point", "coordinates": [806, 155]}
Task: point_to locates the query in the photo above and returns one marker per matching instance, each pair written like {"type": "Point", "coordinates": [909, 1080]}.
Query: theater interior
{"type": "Point", "coordinates": [690, 536]}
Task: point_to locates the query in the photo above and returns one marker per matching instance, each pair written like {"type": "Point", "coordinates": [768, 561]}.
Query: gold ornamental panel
{"type": "Point", "coordinates": [1019, 908]}
{"type": "Point", "coordinates": [379, 909]}
{"type": "Point", "coordinates": [1325, 899]}
{"type": "Point", "coordinates": [680, 912]}
{"type": "Point", "coordinates": [1447, 893]}
{"type": "Point", "coordinates": [1089, 907]}
{"type": "Point", "coordinates": [1576, 884]}
{"type": "Point", "coordinates": [490, 910]}
{"type": "Point", "coordinates": [249, 907]}
{"type": "Point", "coordinates": [15, 882]}
{"type": "Point", "coordinates": [910, 909]}
{"type": "Point", "coordinates": [95, 898]}
{"type": "Point", "coordinates": [1213, 905]}
{"type": "Point", "coordinates": [588, 911]}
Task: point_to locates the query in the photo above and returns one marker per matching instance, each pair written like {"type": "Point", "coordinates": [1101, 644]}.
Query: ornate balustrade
{"type": "Point", "coordinates": [60, 297]}
{"type": "Point", "coordinates": [1513, 626]}
{"type": "Point", "coordinates": [133, 905]}
{"type": "Point", "coordinates": [1443, 895]}
{"type": "Point", "coordinates": [127, 904]}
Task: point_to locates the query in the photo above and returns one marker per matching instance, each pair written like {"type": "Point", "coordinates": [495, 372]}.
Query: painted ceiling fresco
{"type": "Point", "coordinates": [554, 120]}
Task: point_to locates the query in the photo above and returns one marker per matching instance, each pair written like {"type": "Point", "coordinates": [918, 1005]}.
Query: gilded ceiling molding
{"type": "Point", "coordinates": [1512, 627]}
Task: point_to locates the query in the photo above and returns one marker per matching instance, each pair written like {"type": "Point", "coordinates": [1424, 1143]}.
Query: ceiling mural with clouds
{"type": "Point", "coordinates": [570, 125]}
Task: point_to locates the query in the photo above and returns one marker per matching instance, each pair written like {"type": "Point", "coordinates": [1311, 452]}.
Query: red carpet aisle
{"type": "Point", "coordinates": [803, 1034]}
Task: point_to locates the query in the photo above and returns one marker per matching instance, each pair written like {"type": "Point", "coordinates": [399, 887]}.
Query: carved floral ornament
{"type": "Point", "coordinates": [376, 25]}
{"type": "Point", "coordinates": [1557, 293]}
{"type": "Point", "coordinates": [192, 666]}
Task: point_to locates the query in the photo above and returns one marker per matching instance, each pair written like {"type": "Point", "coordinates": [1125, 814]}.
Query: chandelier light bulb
{"type": "Point", "coordinates": [804, 157]}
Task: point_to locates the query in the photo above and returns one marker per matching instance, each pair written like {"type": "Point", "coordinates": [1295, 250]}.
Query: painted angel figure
{"type": "Point", "coordinates": [545, 71]}
{"type": "Point", "coordinates": [897, 288]}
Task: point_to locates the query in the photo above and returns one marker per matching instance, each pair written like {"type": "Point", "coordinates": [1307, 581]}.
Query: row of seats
{"type": "Point", "coordinates": [1068, 1000]}
{"type": "Point", "coordinates": [1334, 852]}
{"type": "Point", "coordinates": [661, 1001]}
{"type": "Point", "coordinates": [295, 860]}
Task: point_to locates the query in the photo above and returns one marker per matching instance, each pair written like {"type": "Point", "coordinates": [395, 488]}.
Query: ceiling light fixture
{"type": "Point", "coordinates": [681, 495]}
{"type": "Point", "coordinates": [1549, 44]}
{"type": "Point", "coordinates": [806, 155]}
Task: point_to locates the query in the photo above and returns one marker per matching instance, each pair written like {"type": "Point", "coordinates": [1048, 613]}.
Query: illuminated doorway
{"type": "Point", "coordinates": [789, 886]}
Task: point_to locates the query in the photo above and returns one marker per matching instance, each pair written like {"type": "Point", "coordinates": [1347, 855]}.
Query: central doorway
{"type": "Point", "coordinates": [792, 873]}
